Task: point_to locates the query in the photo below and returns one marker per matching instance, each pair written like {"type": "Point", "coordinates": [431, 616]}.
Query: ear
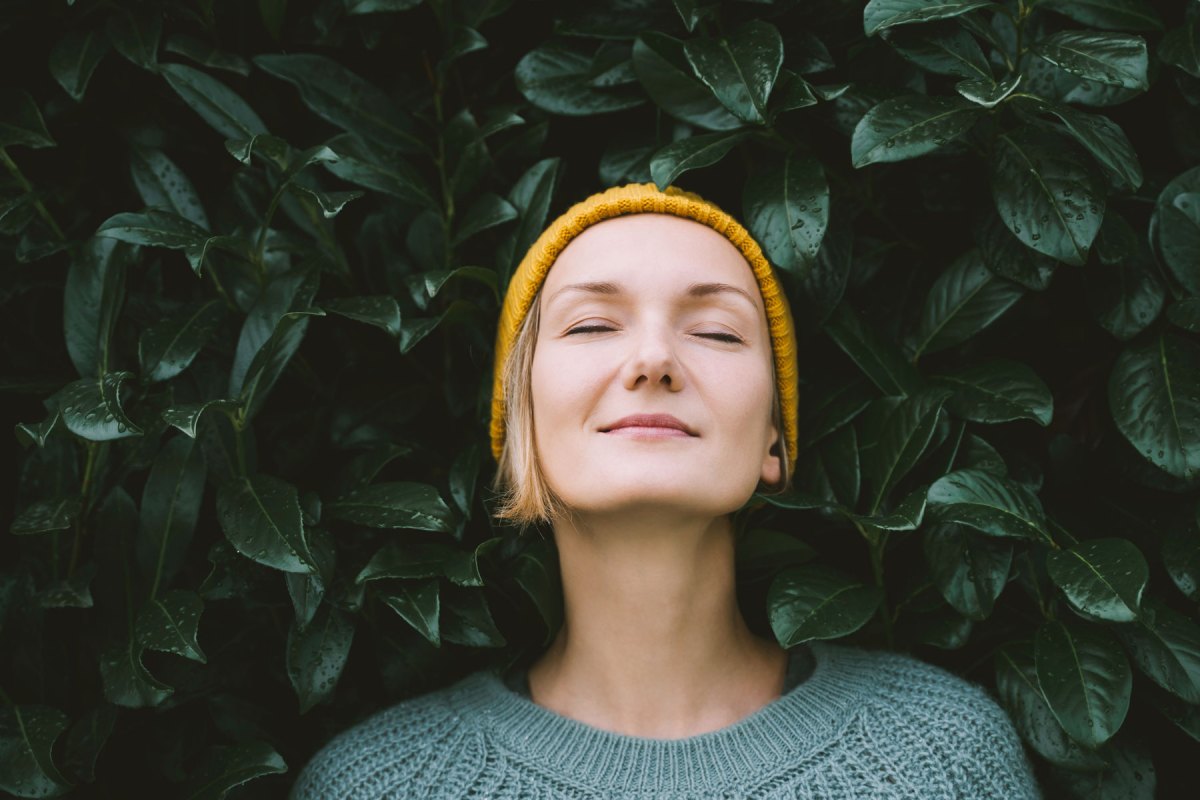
{"type": "Point", "coordinates": [772, 465]}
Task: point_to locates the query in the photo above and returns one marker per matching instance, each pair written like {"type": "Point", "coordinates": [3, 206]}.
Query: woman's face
{"type": "Point", "coordinates": [634, 321]}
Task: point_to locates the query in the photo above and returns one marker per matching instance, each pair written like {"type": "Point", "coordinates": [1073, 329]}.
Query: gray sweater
{"type": "Point", "coordinates": [852, 723]}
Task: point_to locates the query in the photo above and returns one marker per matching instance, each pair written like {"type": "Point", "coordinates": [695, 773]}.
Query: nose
{"type": "Point", "coordinates": [653, 358]}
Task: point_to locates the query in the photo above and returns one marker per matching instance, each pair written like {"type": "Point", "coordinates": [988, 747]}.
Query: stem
{"type": "Point", "coordinates": [84, 492]}
{"type": "Point", "coordinates": [877, 541]}
{"type": "Point", "coordinates": [28, 187]}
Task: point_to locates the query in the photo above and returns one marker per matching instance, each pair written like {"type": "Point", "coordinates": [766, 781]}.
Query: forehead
{"type": "Point", "coordinates": [651, 253]}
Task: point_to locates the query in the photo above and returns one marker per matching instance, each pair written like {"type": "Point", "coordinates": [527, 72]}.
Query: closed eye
{"type": "Point", "coordinates": [589, 329]}
{"type": "Point", "coordinates": [724, 337]}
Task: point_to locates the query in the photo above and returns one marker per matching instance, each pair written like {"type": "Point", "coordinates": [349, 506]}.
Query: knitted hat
{"type": "Point", "coordinates": [639, 199]}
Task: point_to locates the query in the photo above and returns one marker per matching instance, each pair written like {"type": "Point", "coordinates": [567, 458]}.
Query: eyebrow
{"type": "Point", "coordinates": [695, 290]}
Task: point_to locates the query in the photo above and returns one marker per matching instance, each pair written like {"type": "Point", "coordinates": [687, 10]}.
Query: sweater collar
{"type": "Point", "coordinates": [804, 719]}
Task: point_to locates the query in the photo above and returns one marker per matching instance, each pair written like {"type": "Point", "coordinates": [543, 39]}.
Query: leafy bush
{"type": "Point", "coordinates": [254, 257]}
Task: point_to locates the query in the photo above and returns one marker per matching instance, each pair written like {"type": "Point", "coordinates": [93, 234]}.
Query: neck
{"type": "Point", "coordinates": [653, 643]}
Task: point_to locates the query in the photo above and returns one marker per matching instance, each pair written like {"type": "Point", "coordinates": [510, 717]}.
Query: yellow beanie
{"type": "Point", "coordinates": [640, 199]}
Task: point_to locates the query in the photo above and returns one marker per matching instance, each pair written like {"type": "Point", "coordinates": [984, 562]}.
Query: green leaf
{"type": "Point", "coordinates": [787, 210]}
{"type": "Point", "coordinates": [187, 417]}
{"type": "Point", "coordinates": [356, 163]}
{"type": "Point", "coordinates": [169, 624]}
{"type": "Point", "coordinates": [91, 408]}
{"type": "Point", "coordinates": [379, 6]}
{"type": "Point", "coordinates": [1102, 137]}
{"type": "Point", "coordinates": [767, 551]}
{"type": "Point", "coordinates": [531, 196]}
{"type": "Point", "coordinates": [330, 203]}
{"type": "Point", "coordinates": [791, 92]}
{"type": "Point", "coordinates": [27, 736]}
{"type": "Point", "coordinates": [1021, 695]}
{"type": "Point", "coordinates": [260, 516]}
{"type": "Point", "coordinates": [1115, 59]}
{"type": "Point", "coordinates": [948, 51]}
{"type": "Point", "coordinates": [987, 92]}
{"type": "Point", "coordinates": [164, 185]}
{"type": "Point", "coordinates": [1124, 292]}
{"type": "Point", "coordinates": [1131, 15]}
{"type": "Point", "coordinates": [419, 559]}
{"type": "Point", "coordinates": [665, 74]}
{"type": "Point", "coordinates": [1185, 313]}
{"type": "Point", "coordinates": [226, 767]}
{"type": "Point", "coordinates": [812, 601]}
{"type": "Point", "coordinates": [46, 516]}
{"type": "Point", "coordinates": [486, 211]}
{"type": "Point", "coordinates": [86, 739]}
{"type": "Point", "coordinates": [559, 80]}
{"type": "Point", "coordinates": [1101, 577]}
{"type": "Point", "coordinates": [126, 681]}
{"type": "Point", "coordinates": [1154, 398]}
{"type": "Point", "coordinates": [400, 504]}
{"type": "Point", "coordinates": [741, 69]}
{"type": "Point", "coordinates": [464, 473]}
{"type": "Point", "coordinates": [909, 126]}
{"type": "Point", "coordinates": [902, 440]}
{"type": "Point", "coordinates": [317, 655]}
{"type": "Point", "coordinates": [168, 347]}
{"type": "Point", "coordinates": [965, 299]}
{"type": "Point", "coordinates": [535, 570]}
{"type": "Point", "coordinates": [308, 590]}
{"type": "Point", "coordinates": [466, 620]}
{"type": "Point", "coordinates": [92, 302]}
{"type": "Point", "coordinates": [21, 121]}
{"type": "Point", "coordinates": [828, 407]}
{"type": "Point", "coordinates": [272, 358]}
{"type": "Point", "coordinates": [380, 310]}
{"type": "Point", "coordinates": [1128, 775]}
{"type": "Point", "coordinates": [170, 506]}
{"type": "Point", "coordinates": [135, 35]}
{"type": "Point", "coordinates": [1085, 678]}
{"type": "Point", "coordinates": [1165, 645]}
{"type": "Point", "coordinates": [968, 569]}
{"type": "Point", "coordinates": [341, 97]}
{"type": "Point", "coordinates": [1046, 194]}
{"type": "Point", "coordinates": [669, 162]}
{"type": "Point", "coordinates": [75, 58]}
{"type": "Point", "coordinates": [1007, 257]}
{"type": "Point", "coordinates": [219, 106]}
{"type": "Point", "coordinates": [1181, 557]}
{"type": "Point", "coordinates": [418, 603]}
{"type": "Point", "coordinates": [436, 280]}
{"type": "Point", "coordinates": [1181, 46]}
{"type": "Point", "coordinates": [205, 54]}
{"type": "Point", "coordinates": [878, 359]}
{"type": "Point", "coordinates": [996, 506]}
{"type": "Point", "coordinates": [1179, 236]}
{"type": "Point", "coordinates": [158, 228]}
{"type": "Point", "coordinates": [879, 15]}
{"type": "Point", "coordinates": [906, 515]}
{"type": "Point", "coordinates": [999, 390]}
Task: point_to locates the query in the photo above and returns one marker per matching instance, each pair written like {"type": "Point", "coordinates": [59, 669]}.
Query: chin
{"type": "Point", "coordinates": [635, 490]}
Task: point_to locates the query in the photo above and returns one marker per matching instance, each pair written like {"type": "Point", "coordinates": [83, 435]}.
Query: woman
{"type": "Point", "coordinates": [644, 389]}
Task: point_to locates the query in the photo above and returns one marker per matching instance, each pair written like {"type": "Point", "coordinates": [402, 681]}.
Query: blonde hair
{"type": "Point", "coordinates": [524, 495]}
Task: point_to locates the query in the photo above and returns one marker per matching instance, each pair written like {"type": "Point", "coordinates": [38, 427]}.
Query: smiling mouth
{"type": "Point", "coordinates": [649, 426]}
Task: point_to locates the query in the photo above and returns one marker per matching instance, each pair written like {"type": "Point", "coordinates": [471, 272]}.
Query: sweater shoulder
{"type": "Point", "coordinates": [387, 749]}
{"type": "Point", "coordinates": [957, 721]}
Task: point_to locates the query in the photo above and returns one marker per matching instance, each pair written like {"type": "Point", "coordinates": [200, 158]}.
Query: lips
{"type": "Point", "coordinates": [649, 421]}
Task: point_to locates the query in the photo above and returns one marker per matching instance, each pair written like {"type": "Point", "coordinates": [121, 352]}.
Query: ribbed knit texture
{"type": "Point", "coordinates": [863, 724]}
{"type": "Point", "coordinates": [645, 198]}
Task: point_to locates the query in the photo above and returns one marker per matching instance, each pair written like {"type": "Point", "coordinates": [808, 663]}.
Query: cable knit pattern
{"type": "Point", "coordinates": [864, 724]}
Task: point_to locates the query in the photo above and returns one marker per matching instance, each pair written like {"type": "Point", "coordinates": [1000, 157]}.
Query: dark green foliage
{"type": "Point", "coordinates": [252, 501]}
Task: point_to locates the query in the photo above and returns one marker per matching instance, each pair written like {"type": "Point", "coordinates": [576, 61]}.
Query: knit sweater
{"type": "Point", "coordinates": [852, 723]}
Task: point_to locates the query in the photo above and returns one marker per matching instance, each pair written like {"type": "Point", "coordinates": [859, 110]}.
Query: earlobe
{"type": "Point", "coordinates": [772, 467]}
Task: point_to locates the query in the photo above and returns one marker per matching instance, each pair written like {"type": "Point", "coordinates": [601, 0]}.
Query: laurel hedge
{"type": "Point", "coordinates": [253, 258]}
